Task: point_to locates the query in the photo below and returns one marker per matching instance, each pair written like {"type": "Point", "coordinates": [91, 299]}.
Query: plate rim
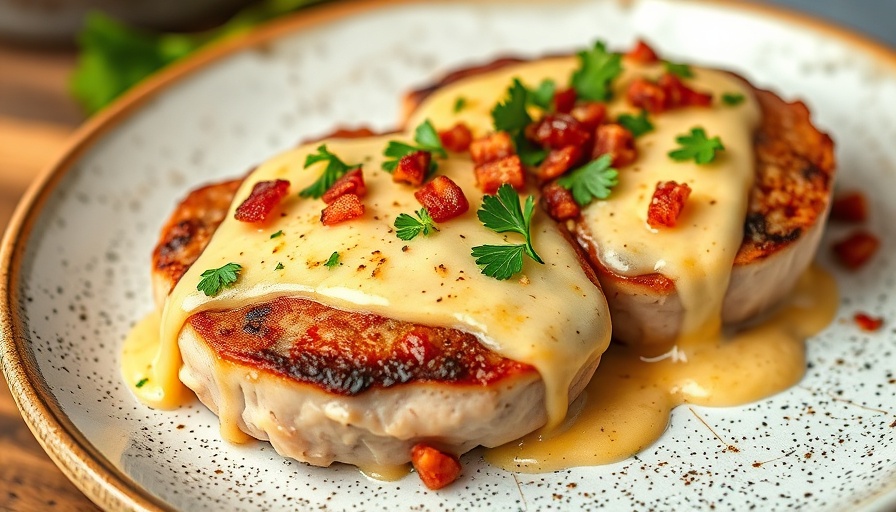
{"type": "Point", "coordinates": [91, 472]}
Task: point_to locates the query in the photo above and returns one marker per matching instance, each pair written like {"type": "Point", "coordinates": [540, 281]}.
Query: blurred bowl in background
{"type": "Point", "coordinates": [58, 21]}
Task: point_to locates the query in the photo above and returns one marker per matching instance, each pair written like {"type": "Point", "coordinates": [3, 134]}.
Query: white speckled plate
{"type": "Point", "coordinates": [75, 263]}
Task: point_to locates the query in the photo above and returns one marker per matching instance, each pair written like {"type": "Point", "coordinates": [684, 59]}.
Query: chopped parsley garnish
{"type": "Point", "coordinates": [597, 70]}
{"type": "Point", "coordinates": [502, 213]}
{"type": "Point", "coordinates": [510, 115]}
{"type": "Point", "coordinates": [279, 266]}
{"type": "Point", "coordinates": [407, 227]}
{"type": "Point", "coordinates": [427, 139]}
{"type": "Point", "coordinates": [696, 146]}
{"type": "Point", "coordinates": [593, 180]}
{"type": "Point", "coordinates": [333, 260]}
{"type": "Point", "coordinates": [680, 70]}
{"type": "Point", "coordinates": [543, 96]}
{"type": "Point", "coordinates": [732, 98]}
{"type": "Point", "coordinates": [216, 279]}
{"type": "Point", "coordinates": [459, 104]}
{"type": "Point", "coordinates": [142, 382]}
{"type": "Point", "coordinates": [637, 124]}
{"type": "Point", "coordinates": [334, 170]}
{"type": "Point", "coordinates": [278, 234]}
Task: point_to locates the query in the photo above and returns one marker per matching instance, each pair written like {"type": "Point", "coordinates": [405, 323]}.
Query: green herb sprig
{"type": "Point", "coordinates": [598, 68]}
{"type": "Point", "coordinates": [510, 115]}
{"type": "Point", "coordinates": [407, 227]}
{"type": "Point", "coordinates": [216, 279]}
{"type": "Point", "coordinates": [637, 124]}
{"type": "Point", "coordinates": [696, 146]}
{"type": "Point", "coordinates": [427, 139]}
{"type": "Point", "coordinates": [333, 260]}
{"type": "Point", "coordinates": [334, 170]}
{"type": "Point", "coordinates": [593, 180]}
{"type": "Point", "coordinates": [503, 213]}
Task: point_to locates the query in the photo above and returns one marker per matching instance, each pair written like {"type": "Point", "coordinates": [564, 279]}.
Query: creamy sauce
{"type": "Point", "coordinates": [386, 473]}
{"type": "Point", "coordinates": [626, 406]}
{"type": "Point", "coordinates": [553, 319]}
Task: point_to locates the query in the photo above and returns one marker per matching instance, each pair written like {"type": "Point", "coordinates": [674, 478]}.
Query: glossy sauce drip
{"type": "Point", "coordinates": [626, 406]}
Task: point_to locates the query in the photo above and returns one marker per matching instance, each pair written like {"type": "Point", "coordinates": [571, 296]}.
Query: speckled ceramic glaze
{"type": "Point", "coordinates": [76, 264]}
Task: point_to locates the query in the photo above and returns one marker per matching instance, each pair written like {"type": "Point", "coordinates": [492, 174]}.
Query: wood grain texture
{"type": "Point", "coordinates": [36, 118]}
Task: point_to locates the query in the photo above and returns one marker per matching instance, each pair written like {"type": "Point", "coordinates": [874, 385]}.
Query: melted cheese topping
{"type": "Point", "coordinates": [554, 319]}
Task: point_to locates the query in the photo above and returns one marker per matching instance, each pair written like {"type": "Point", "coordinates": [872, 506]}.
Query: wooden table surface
{"type": "Point", "coordinates": [36, 118]}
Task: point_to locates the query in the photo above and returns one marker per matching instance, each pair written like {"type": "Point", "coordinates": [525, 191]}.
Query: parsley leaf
{"type": "Point", "coordinates": [427, 139]}
{"type": "Point", "coordinates": [732, 98]}
{"type": "Point", "coordinates": [598, 68]}
{"type": "Point", "coordinates": [333, 260]}
{"type": "Point", "coordinates": [696, 146]}
{"type": "Point", "coordinates": [591, 181]}
{"type": "Point", "coordinates": [510, 115]}
{"type": "Point", "coordinates": [502, 213]}
{"type": "Point", "coordinates": [142, 382]}
{"type": "Point", "coordinates": [459, 104]}
{"type": "Point", "coordinates": [543, 96]}
{"type": "Point", "coordinates": [681, 70]}
{"type": "Point", "coordinates": [279, 266]}
{"type": "Point", "coordinates": [216, 279]}
{"type": "Point", "coordinates": [407, 227]}
{"type": "Point", "coordinates": [637, 124]}
{"type": "Point", "coordinates": [334, 170]}
{"type": "Point", "coordinates": [278, 234]}
{"type": "Point", "coordinates": [499, 261]}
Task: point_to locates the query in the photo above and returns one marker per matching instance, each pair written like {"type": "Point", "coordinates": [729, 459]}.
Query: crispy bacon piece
{"type": "Point", "coordinates": [589, 114]}
{"type": "Point", "coordinates": [667, 93]}
{"type": "Point", "coordinates": [850, 207]}
{"type": "Point", "coordinates": [642, 53]}
{"type": "Point", "coordinates": [615, 140]}
{"type": "Point", "coordinates": [557, 131]}
{"type": "Point", "coordinates": [559, 203]}
{"type": "Point", "coordinates": [412, 168]}
{"type": "Point", "coordinates": [442, 198]}
{"type": "Point", "coordinates": [351, 182]}
{"type": "Point", "coordinates": [265, 196]}
{"type": "Point", "coordinates": [680, 95]}
{"type": "Point", "coordinates": [345, 207]}
{"type": "Point", "coordinates": [494, 146]}
{"type": "Point", "coordinates": [436, 469]}
{"type": "Point", "coordinates": [855, 251]}
{"type": "Point", "coordinates": [491, 175]}
{"type": "Point", "coordinates": [668, 200]}
{"type": "Point", "coordinates": [558, 162]}
{"type": "Point", "coordinates": [867, 322]}
{"type": "Point", "coordinates": [457, 138]}
{"type": "Point", "coordinates": [564, 100]}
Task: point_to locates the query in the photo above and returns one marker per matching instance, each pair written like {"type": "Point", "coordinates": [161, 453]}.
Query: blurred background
{"type": "Point", "coordinates": [58, 65]}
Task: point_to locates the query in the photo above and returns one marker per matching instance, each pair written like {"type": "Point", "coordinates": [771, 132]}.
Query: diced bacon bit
{"type": "Point", "coordinates": [490, 176]}
{"type": "Point", "coordinates": [559, 203]}
{"type": "Point", "coordinates": [494, 146]}
{"type": "Point", "coordinates": [850, 207]}
{"type": "Point", "coordinates": [668, 200]}
{"type": "Point", "coordinates": [558, 162]}
{"type": "Point", "coordinates": [589, 113]}
{"type": "Point", "coordinates": [564, 100]}
{"type": "Point", "coordinates": [457, 138]}
{"type": "Point", "coordinates": [680, 95]}
{"type": "Point", "coordinates": [436, 469]}
{"type": "Point", "coordinates": [615, 140]}
{"type": "Point", "coordinates": [265, 196]}
{"type": "Point", "coordinates": [857, 249]}
{"type": "Point", "coordinates": [642, 53]}
{"type": "Point", "coordinates": [351, 182]}
{"type": "Point", "coordinates": [345, 207]}
{"type": "Point", "coordinates": [442, 198]}
{"type": "Point", "coordinates": [412, 168]}
{"type": "Point", "coordinates": [867, 322]}
{"type": "Point", "coordinates": [667, 93]}
{"type": "Point", "coordinates": [555, 131]}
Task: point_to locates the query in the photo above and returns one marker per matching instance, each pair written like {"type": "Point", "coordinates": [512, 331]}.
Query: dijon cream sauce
{"type": "Point", "coordinates": [626, 406]}
{"type": "Point", "coordinates": [551, 316]}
